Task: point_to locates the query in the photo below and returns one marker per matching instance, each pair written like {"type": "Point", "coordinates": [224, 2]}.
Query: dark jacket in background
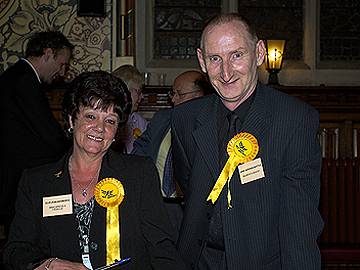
{"type": "Point", "coordinates": [32, 136]}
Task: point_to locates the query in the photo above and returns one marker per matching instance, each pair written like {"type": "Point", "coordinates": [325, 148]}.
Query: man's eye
{"type": "Point", "coordinates": [215, 58]}
{"type": "Point", "coordinates": [238, 54]}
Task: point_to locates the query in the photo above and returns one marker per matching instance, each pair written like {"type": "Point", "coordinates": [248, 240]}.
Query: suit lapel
{"type": "Point", "coordinates": [206, 137]}
{"type": "Point", "coordinates": [98, 233]}
{"type": "Point", "coordinates": [256, 119]}
{"type": "Point", "coordinates": [59, 184]}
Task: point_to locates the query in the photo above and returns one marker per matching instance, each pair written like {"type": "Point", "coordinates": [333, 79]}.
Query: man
{"type": "Point", "coordinates": [136, 124]}
{"type": "Point", "coordinates": [155, 142]}
{"type": "Point", "coordinates": [262, 211]}
{"type": "Point", "coordinates": [32, 135]}
{"type": "Point", "coordinates": [189, 85]}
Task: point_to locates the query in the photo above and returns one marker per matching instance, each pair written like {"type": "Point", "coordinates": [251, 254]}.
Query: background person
{"type": "Point", "coordinates": [155, 142]}
{"type": "Point", "coordinates": [267, 217]}
{"type": "Point", "coordinates": [136, 124]}
{"type": "Point", "coordinates": [32, 134]}
{"type": "Point", "coordinates": [187, 85]}
{"type": "Point", "coordinates": [94, 107]}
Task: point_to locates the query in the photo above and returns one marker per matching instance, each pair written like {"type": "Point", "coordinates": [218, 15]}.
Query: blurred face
{"type": "Point", "coordinates": [55, 65]}
{"type": "Point", "coordinates": [94, 130]}
{"type": "Point", "coordinates": [183, 90]}
{"type": "Point", "coordinates": [231, 59]}
{"type": "Point", "coordinates": [136, 95]}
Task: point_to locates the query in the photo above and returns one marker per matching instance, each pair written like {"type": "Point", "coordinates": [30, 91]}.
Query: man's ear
{"type": "Point", "coordinates": [201, 60]}
{"type": "Point", "coordinates": [48, 52]}
{"type": "Point", "coordinates": [260, 52]}
{"type": "Point", "coordinates": [71, 124]}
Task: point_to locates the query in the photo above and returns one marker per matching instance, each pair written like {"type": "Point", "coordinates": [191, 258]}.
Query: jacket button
{"type": "Point", "coordinates": [93, 246]}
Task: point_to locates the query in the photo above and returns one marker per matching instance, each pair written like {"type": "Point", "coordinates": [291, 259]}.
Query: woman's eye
{"type": "Point", "coordinates": [111, 121]}
{"type": "Point", "coordinates": [90, 116]}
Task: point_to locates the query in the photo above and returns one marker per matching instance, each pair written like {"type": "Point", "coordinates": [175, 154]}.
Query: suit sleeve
{"type": "Point", "coordinates": [300, 221]}
{"type": "Point", "coordinates": [156, 226]}
{"type": "Point", "coordinates": [181, 161]}
{"type": "Point", "coordinates": [142, 145]}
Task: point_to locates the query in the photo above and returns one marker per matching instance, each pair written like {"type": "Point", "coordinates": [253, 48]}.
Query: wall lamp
{"type": "Point", "coordinates": [274, 59]}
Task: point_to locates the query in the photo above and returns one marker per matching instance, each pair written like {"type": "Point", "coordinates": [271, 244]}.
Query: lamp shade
{"type": "Point", "coordinates": [274, 54]}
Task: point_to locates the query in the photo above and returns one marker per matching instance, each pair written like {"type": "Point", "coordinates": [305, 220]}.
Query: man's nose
{"type": "Point", "coordinates": [227, 71]}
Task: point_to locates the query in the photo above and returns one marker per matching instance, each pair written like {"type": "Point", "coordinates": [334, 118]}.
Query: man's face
{"type": "Point", "coordinates": [55, 65]}
{"type": "Point", "coordinates": [183, 90]}
{"type": "Point", "coordinates": [231, 59]}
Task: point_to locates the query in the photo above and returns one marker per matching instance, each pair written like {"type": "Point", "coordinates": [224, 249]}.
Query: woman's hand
{"type": "Point", "coordinates": [58, 264]}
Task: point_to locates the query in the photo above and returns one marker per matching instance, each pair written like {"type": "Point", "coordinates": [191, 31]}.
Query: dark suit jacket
{"type": "Point", "coordinates": [148, 144]}
{"type": "Point", "coordinates": [32, 135]}
{"type": "Point", "coordinates": [274, 221]}
{"type": "Point", "coordinates": [145, 234]}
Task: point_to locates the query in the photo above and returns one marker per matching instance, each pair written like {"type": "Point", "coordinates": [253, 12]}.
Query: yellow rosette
{"type": "Point", "coordinates": [242, 148]}
{"type": "Point", "coordinates": [136, 133]}
{"type": "Point", "coordinates": [109, 193]}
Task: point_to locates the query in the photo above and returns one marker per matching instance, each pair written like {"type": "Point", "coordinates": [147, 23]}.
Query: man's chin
{"type": "Point", "coordinates": [231, 99]}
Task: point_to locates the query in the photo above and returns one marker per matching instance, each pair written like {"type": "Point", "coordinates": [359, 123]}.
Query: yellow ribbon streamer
{"type": "Point", "coordinates": [242, 148]}
{"type": "Point", "coordinates": [112, 235]}
{"type": "Point", "coordinates": [225, 176]}
{"type": "Point", "coordinates": [109, 193]}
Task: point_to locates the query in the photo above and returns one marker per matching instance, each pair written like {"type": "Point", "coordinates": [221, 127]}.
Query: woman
{"type": "Point", "coordinates": [136, 124]}
{"type": "Point", "coordinates": [94, 206]}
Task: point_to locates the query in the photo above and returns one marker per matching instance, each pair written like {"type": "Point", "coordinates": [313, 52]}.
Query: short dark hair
{"type": "Point", "coordinates": [90, 87]}
{"type": "Point", "coordinates": [40, 41]}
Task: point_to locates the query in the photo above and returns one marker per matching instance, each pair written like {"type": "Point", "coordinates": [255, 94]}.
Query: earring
{"type": "Point", "coordinates": [70, 130]}
{"type": "Point", "coordinates": [113, 140]}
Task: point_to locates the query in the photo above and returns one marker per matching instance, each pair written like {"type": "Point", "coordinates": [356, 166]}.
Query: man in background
{"type": "Point", "coordinates": [248, 161]}
{"type": "Point", "coordinates": [32, 135]}
{"type": "Point", "coordinates": [136, 124]}
{"type": "Point", "coordinates": [155, 142]}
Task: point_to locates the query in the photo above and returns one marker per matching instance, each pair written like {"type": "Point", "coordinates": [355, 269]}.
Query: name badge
{"type": "Point", "coordinates": [86, 261]}
{"type": "Point", "coordinates": [251, 171]}
{"type": "Point", "coordinates": [57, 205]}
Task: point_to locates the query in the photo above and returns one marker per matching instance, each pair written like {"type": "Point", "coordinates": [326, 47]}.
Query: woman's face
{"type": "Point", "coordinates": [94, 130]}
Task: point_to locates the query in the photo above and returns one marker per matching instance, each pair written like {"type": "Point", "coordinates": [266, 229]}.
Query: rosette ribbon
{"type": "Point", "coordinates": [242, 148]}
{"type": "Point", "coordinates": [109, 193]}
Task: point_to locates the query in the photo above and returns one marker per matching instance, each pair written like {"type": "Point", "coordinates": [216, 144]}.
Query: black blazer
{"type": "Point", "coordinates": [32, 135]}
{"type": "Point", "coordinates": [145, 233]}
{"type": "Point", "coordinates": [274, 221]}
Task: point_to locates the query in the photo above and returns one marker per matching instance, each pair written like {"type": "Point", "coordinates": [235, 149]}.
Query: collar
{"type": "Point", "coordinates": [31, 65]}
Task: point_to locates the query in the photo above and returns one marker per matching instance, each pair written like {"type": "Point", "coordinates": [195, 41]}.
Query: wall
{"type": "Point", "coordinates": [90, 35]}
{"type": "Point", "coordinates": [305, 72]}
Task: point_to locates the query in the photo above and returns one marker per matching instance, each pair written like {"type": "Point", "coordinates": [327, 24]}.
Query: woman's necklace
{"type": "Point", "coordinates": [84, 190]}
